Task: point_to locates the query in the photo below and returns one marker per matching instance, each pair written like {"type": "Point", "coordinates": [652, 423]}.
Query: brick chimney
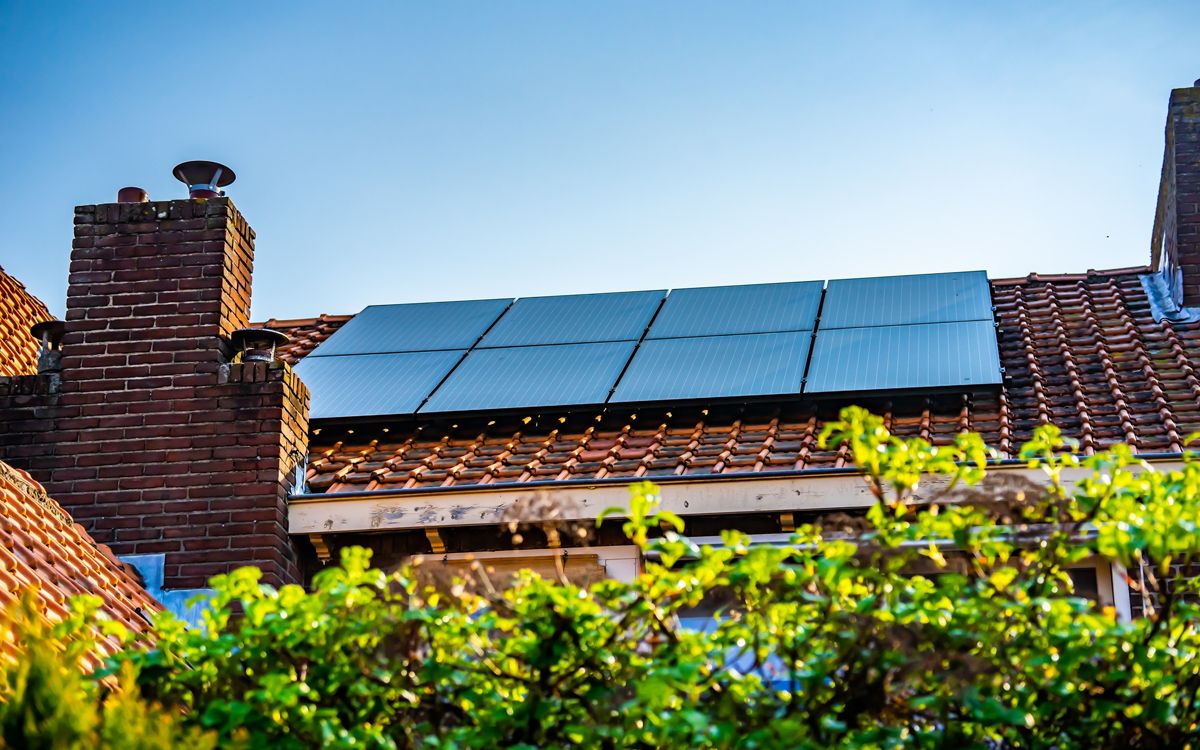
{"type": "Point", "coordinates": [155, 441]}
{"type": "Point", "coordinates": [1176, 241]}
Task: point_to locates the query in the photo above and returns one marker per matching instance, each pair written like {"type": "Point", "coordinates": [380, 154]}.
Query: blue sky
{"type": "Point", "coordinates": [396, 152]}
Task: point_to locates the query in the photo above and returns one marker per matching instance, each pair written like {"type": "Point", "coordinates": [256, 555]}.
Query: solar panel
{"type": "Point", "coordinates": [903, 300]}
{"type": "Point", "coordinates": [931, 355]}
{"type": "Point", "coordinates": [532, 376]}
{"type": "Point", "coordinates": [574, 319]}
{"type": "Point", "coordinates": [759, 364]}
{"type": "Point", "coordinates": [424, 326]}
{"type": "Point", "coordinates": [369, 385]}
{"type": "Point", "coordinates": [752, 308]}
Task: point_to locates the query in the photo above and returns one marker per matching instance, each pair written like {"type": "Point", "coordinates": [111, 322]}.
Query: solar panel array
{"type": "Point", "coordinates": [932, 331]}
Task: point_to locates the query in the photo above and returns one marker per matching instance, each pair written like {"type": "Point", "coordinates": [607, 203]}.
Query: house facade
{"type": "Point", "coordinates": [188, 448]}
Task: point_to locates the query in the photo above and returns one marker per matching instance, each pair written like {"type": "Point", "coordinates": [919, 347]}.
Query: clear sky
{"type": "Point", "coordinates": [394, 152]}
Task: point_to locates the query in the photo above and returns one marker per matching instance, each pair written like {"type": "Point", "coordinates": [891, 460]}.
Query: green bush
{"type": "Point", "coordinates": [939, 619]}
{"type": "Point", "coordinates": [47, 703]}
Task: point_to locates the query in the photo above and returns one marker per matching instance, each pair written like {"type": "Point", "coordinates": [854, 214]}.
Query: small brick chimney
{"type": "Point", "coordinates": [157, 283]}
{"type": "Point", "coordinates": [1176, 241]}
{"type": "Point", "coordinates": [154, 440]}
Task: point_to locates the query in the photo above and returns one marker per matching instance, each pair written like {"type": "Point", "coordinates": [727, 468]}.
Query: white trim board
{"type": "Point", "coordinates": [702, 496]}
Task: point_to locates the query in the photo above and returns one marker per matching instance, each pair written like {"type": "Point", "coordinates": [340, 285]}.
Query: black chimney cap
{"type": "Point", "coordinates": [50, 330]}
{"type": "Point", "coordinates": [258, 344]}
{"type": "Point", "coordinates": [200, 172]}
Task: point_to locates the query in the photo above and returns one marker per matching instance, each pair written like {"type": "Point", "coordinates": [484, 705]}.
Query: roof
{"type": "Point", "coordinates": [41, 546]}
{"type": "Point", "coordinates": [18, 311]}
{"type": "Point", "coordinates": [304, 334]}
{"type": "Point", "coordinates": [1080, 351]}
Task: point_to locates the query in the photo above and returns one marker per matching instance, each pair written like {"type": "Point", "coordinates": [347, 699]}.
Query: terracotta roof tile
{"type": "Point", "coordinates": [305, 334]}
{"type": "Point", "coordinates": [1081, 351]}
{"type": "Point", "coordinates": [18, 311]}
{"type": "Point", "coordinates": [40, 545]}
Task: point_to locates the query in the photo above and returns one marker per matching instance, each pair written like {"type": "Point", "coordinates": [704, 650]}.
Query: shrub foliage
{"type": "Point", "coordinates": [942, 617]}
{"type": "Point", "coordinates": [47, 703]}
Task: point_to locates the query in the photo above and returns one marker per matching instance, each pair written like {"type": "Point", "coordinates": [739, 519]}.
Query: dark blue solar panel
{"type": "Point", "coordinates": [753, 308]}
{"type": "Point", "coordinates": [532, 376]}
{"type": "Point", "coordinates": [935, 355]}
{"type": "Point", "coordinates": [903, 300]}
{"type": "Point", "coordinates": [424, 326]}
{"type": "Point", "coordinates": [759, 364]}
{"type": "Point", "coordinates": [574, 319]}
{"type": "Point", "coordinates": [369, 385]}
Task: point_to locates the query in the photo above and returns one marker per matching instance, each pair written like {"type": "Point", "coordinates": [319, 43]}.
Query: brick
{"type": "Point", "coordinates": [143, 444]}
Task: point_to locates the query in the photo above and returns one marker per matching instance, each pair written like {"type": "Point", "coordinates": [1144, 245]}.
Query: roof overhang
{"type": "Point", "coordinates": [483, 505]}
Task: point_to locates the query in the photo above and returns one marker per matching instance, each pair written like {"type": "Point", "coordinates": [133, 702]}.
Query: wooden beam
{"type": "Point", "coordinates": [787, 521]}
{"type": "Point", "coordinates": [435, 541]}
{"type": "Point", "coordinates": [318, 543]}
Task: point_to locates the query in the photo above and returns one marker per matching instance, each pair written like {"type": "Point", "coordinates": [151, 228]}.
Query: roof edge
{"type": "Point", "coordinates": [1034, 276]}
{"type": "Point", "coordinates": [566, 484]}
{"type": "Point", "coordinates": [294, 322]}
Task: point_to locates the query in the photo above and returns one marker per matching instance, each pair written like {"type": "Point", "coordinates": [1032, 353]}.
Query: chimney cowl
{"type": "Point", "coordinates": [49, 334]}
{"type": "Point", "coordinates": [257, 344]}
{"type": "Point", "coordinates": [204, 178]}
{"type": "Point", "coordinates": [132, 195]}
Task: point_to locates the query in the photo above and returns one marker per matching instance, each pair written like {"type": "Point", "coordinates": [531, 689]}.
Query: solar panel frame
{"type": "Point", "coordinates": [888, 358]}
{"type": "Point", "coordinates": [906, 300]}
{"type": "Point", "coordinates": [374, 385]}
{"type": "Point", "coordinates": [731, 310]}
{"type": "Point", "coordinates": [741, 365]}
{"type": "Point", "coordinates": [526, 377]}
{"type": "Point", "coordinates": [574, 319]}
{"type": "Point", "coordinates": [414, 327]}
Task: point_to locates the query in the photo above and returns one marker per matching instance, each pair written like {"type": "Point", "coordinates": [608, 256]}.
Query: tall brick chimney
{"type": "Point", "coordinates": [1176, 241]}
{"type": "Point", "coordinates": [156, 443]}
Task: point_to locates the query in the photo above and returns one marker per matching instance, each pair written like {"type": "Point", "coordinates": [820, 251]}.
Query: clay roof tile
{"type": "Point", "coordinates": [1080, 351]}
{"type": "Point", "coordinates": [41, 545]}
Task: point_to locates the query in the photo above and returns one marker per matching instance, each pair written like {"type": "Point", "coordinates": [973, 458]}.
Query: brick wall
{"type": "Point", "coordinates": [153, 441]}
{"type": "Point", "coordinates": [1177, 222]}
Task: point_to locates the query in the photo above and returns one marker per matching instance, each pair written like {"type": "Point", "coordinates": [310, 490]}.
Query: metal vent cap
{"type": "Point", "coordinates": [204, 178]}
